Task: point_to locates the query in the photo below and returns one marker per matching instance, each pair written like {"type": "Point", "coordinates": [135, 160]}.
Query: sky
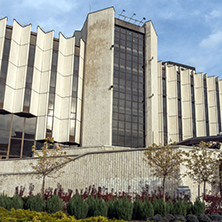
{"type": "Point", "coordinates": [189, 31]}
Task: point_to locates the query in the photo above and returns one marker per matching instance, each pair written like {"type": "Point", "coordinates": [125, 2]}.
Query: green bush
{"type": "Point", "coordinates": [96, 207]}
{"type": "Point", "coordinates": [17, 202]}
{"type": "Point", "coordinates": [120, 208]}
{"type": "Point", "coordinates": [77, 207]}
{"type": "Point", "coordinates": [198, 207]}
{"type": "Point", "coordinates": [179, 208]}
{"type": "Point", "coordinates": [137, 209]}
{"type": "Point", "coordinates": [169, 207]}
{"type": "Point", "coordinates": [147, 210]}
{"type": "Point", "coordinates": [35, 203]}
{"type": "Point", "coordinates": [159, 207]}
{"type": "Point", "coordinates": [54, 204]}
{"type": "Point", "coordinates": [5, 202]}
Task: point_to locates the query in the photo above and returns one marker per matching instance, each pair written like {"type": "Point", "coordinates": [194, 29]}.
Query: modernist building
{"type": "Point", "coordinates": [103, 86]}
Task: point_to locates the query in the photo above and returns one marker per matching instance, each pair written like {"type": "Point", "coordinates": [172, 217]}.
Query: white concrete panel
{"type": "Point", "coordinates": [98, 77]}
{"type": "Point", "coordinates": [61, 130]}
{"type": "Point", "coordinates": [199, 105]}
{"type": "Point", "coordinates": [172, 104]}
{"type": "Point", "coordinates": [212, 106]}
{"type": "Point", "coordinates": [187, 125]}
{"type": "Point", "coordinates": [41, 127]}
{"type": "Point", "coordinates": [41, 72]}
{"type": "Point", "coordinates": [220, 99]}
{"type": "Point", "coordinates": [17, 67]}
{"type": "Point", "coordinates": [151, 85]}
{"type": "Point", "coordinates": [64, 85]}
{"type": "Point", "coordinates": [77, 132]}
{"type": "Point", "coordinates": [3, 23]}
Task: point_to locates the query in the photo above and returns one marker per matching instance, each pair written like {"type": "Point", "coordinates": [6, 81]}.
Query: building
{"type": "Point", "coordinates": [103, 86]}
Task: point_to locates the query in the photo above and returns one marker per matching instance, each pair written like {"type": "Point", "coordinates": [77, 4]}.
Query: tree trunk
{"type": "Point", "coordinates": [164, 178]}
{"type": "Point", "coordinates": [43, 185]}
{"type": "Point", "coordinates": [204, 191]}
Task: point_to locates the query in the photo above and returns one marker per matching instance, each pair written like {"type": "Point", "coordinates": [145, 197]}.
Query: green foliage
{"type": "Point", "coordinates": [179, 208]}
{"type": "Point", "coordinates": [77, 207]}
{"type": "Point", "coordinates": [198, 207]}
{"type": "Point", "coordinates": [17, 202]}
{"type": "Point", "coordinates": [96, 207]}
{"type": "Point", "coordinates": [120, 208]}
{"type": "Point", "coordinates": [54, 204]}
{"type": "Point", "coordinates": [137, 209]}
{"type": "Point", "coordinates": [169, 207]}
{"type": "Point", "coordinates": [147, 210]}
{"type": "Point", "coordinates": [159, 207]}
{"type": "Point", "coordinates": [5, 202]}
{"type": "Point", "coordinates": [35, 203]}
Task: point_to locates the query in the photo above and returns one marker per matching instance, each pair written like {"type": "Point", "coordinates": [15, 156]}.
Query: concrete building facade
{"type": "Point", "coordinates": [103, 86]}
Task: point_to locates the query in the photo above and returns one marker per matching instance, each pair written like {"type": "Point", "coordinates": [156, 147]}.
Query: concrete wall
{"type": "Point", "coordinates": [151, 85]}
{"type": "Point", "coordinates": [111, 167]}
{"type": "Point", "coordinates": [98, 77]}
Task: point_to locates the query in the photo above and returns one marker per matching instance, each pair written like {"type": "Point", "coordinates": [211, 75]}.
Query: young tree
{"type": "Point", "coordinates": [203, 165]}
{"type": "Point", "coordinates": [164, 162]}
{"type": "Point", "coordinates": [49, 161]}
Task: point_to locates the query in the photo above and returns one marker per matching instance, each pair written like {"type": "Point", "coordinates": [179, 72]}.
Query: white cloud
{"type": "Point", "coordinates": [214, 14]}
{"type": "Point", "coordinates": [212, 41]}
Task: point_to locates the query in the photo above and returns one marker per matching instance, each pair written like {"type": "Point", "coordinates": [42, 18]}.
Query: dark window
{"type": "Point", "coordinates": [128, 107]}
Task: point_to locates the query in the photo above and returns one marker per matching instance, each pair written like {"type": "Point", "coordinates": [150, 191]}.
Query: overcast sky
{"type": "Point", "coordinates": [189, 31]}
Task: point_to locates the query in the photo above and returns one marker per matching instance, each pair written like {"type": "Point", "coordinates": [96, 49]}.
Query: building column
{"type": "Point", "coordinates": [212, 106]}
{"type": "Point", "coordinates": [98, 79]}
{"type": "Point", "coordinates": [187, 125]}
{"type": "Point", "coordinates": [151, 86]}
{"type": "Point", "coordinates": [199, 105]}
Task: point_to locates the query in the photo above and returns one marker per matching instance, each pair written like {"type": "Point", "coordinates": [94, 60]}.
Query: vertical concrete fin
{"type": "Point", "coordinates": [160, 103]}
{"type": "Point", "coordinates": [172, 104]}
{"type": "Point", "coordinates": [63, 94]}
{"type": "Point", "coordinates": [41, 80]}
{"type": "Point", "coordinates": [151, 85]}
{"type": "Point", "coordinates": [187, 125]}
{"type": "Point", "coordinates": [98, 77]}
{"type": "Point", "coordinates": [79, 92]}
{"type": "Point", "coordinates": [212, 106]}
{"type": "Point", "coordinates": [3, 23]}
{"type": "Point", "coordinates": [17, 68]}
{"type": "Point", "coordinates": [220, 101]}
{"type": "Point", "coordinates": [199, 105]}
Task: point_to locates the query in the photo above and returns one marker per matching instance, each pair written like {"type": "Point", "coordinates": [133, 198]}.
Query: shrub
{"type": "Point", "coordinates": [77, 207]}
{"type": "Point", "coordinates": [198, 207]}
{"type": "Point", "coordinates": [54, 204]}
{"type": "Point", "coordinates": [5, 202]}
{"type": "Point", "coordinates": [192, 218]}
{"type": "Point", "coordinates": [35, 203]}
{"type": "Point", "coordinates": [17, 202]}
{"type": "Point", "coordinates": [96, 207]}
{"type": "Point", "coordinates": [179, 208]}
{"type": "Point", "coordinates": [147, 210]}
{"type": "Point", "coordinates": [169, 207]}
{"type": "Point", "coordinates": [120, 208]}
{"type": "Point", "coordinates": [159, 207]}
{"type": "Point", "coordinates": [137, 209]}
{"type": "Point", "coordinates": [203, 218]}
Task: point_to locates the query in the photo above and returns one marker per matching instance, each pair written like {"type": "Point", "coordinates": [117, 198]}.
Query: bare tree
{"type": "Point", "coordinates": [164, 162]}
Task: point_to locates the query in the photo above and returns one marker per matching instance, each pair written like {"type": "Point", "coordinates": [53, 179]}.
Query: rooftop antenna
{"type": "Point", "coordinates": [121, 12]}
{"type": "Point", "coordinates": [142, 20]}
{"type": "Point", "coordinates": [132, 16]}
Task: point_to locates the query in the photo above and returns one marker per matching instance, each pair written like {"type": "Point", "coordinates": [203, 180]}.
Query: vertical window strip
{"type": "Point", "coordinates": [218, 106]}
{"type": "Point", "coordinates": [206, 107]}
{"type": "Point", "coordinates": [4, 67]}
{"type": "Point", "coordinates": [52, 91]}
{"type": "Point", "coordinates": [74, 95]}
{"type": "Point", "coordinates": [193, 104]}
{"type": "Point", "coordinates": [128, 123]}
{"type": "Point", "coordinates": [179, 106]}
{"type": "Point", "coordinates": [164, 106]}
{"type": "Point", "coordinates": [29, 75]}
